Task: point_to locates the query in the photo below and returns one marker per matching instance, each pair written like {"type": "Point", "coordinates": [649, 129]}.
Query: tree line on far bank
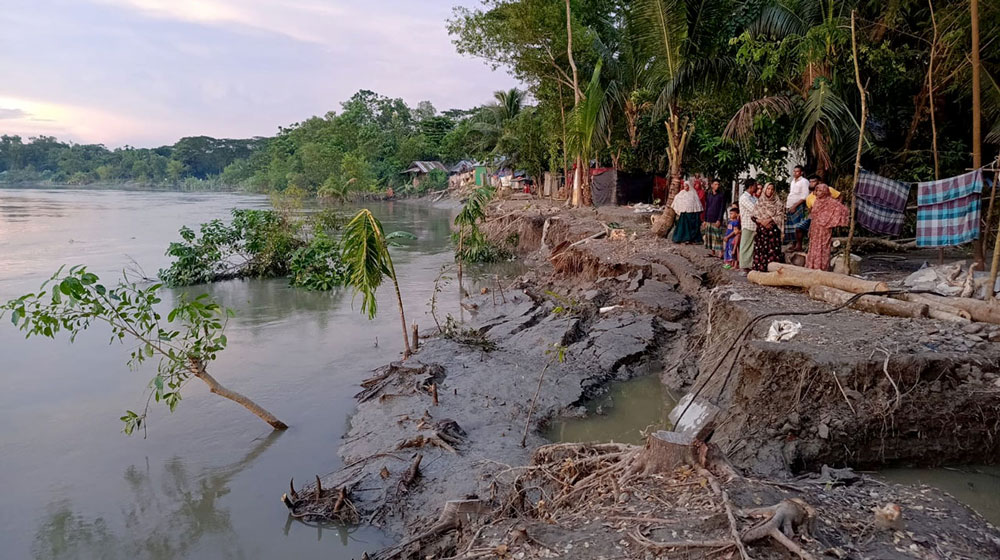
{"type": "Point", "coordinates": [363, 148]}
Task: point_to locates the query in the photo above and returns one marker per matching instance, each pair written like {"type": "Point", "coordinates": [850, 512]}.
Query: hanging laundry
{"type": "Point", "coordinates": [881, 203]}
{"type": "Point", "coordinates": [948, 210]}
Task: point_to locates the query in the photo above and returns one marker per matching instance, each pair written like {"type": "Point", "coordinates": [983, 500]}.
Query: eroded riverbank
{"type": "Point", "coordinates": [616, 307]}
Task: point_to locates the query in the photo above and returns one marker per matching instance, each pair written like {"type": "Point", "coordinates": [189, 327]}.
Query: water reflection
{"type": "Point", "coordinates": [169, 514]}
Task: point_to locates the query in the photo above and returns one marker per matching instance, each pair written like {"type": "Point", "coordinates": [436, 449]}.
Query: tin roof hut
{"type": "Point", "coordinates": [418, 170]}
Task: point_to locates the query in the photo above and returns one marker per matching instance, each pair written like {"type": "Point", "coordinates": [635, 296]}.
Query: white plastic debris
{"type": "Point", "coordinates": [783, 330]}
{"type": "Point", "coordinates": [739, 297]}
{"type": "Point", "coordinates": [608, 309]}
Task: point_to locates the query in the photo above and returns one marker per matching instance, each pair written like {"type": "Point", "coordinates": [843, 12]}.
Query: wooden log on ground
{"type": "Point", "coordinates": [861, 244]}
{"type": "Point", "coordinates": [796, 276]}
{"type": "Point", "coordinates": [978, 310]}
{"type": "Point", "coordinates": [936, 308]}
{"type": "Point", "coordinates": [871, 304]}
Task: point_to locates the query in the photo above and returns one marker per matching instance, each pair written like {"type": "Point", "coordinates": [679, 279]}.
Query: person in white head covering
{"type": "Point", "coordinates": [687, 206]}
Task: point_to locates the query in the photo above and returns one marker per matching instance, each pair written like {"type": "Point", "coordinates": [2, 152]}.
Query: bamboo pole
{"type": "Point", "coordinates": [930, 98]}
{"type": "Point", "coordinates": [977, 144]}
{"type": "Point", "coordinates": [861, 141]}
{"type": "Point", "coordinates": [996, 241]}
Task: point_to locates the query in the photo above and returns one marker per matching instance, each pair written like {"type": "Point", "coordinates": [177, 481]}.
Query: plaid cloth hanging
{"type": "Point", "coordinates": [881, 203]}
{"type": "Point", "coordinates": [877, 219]}
{"type": "Point", "coordinates": [948, 210]}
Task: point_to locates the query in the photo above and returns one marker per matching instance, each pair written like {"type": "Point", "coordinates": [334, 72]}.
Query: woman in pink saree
{"type": "Point", "coordinates": [827, 213]}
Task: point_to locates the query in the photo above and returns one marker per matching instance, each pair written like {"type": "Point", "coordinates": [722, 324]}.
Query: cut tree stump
{"type": "Point", "coordinates": [795, 276]}
{"type": "Point", "coordinates": [872, 304]}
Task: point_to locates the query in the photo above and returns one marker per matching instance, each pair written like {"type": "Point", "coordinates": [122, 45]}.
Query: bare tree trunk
{"type": "Point", "coordinates": [577, 96]}
{"type": "Point", "coordinates": [214, 386]}
{"type": "Point", "coordinates": [678, 133]}
{"type": "Point", "coordinates": [565, 141]}
{"type": "Point", "coordinates": [861, 142]}
{"type": "Point", "coordinates": [402, 315]}
{"type": "Point", "coordinates": [930, 88]}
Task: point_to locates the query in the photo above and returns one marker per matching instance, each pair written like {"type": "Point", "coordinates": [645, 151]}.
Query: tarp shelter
{"type": "Point", "coordinates": [609, 187]}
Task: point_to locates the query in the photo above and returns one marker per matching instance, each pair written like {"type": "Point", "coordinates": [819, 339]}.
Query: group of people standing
{"type": "Point", "coordinates": [750, 234]}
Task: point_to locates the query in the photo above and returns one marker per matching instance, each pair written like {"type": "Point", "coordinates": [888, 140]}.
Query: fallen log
{"type": "Point", "coordinates": [872, 304]}
{"type": "Point", "coordinates": [795, 276]}
{"type": "Point", "coordinates": [978, 310]}
{"type": "Point", "coordinates": [937, 309]}
{"type": "Point", "coordinates": [862, 244]}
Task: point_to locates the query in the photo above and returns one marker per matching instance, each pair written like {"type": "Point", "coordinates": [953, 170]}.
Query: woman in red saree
{"type": "Point", "coordinates": [827, 213]}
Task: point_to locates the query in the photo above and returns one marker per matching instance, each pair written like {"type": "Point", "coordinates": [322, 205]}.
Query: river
{"type": "Point", "coordinates": [206, 481]}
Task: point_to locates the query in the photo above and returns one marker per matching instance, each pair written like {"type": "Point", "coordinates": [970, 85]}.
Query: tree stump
{"type": "Point", "coordinates": [664, 452]}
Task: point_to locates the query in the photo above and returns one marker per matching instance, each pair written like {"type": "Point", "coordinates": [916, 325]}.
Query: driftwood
{"type": "Point", "coordinates": [978, 310]}
{"type": "Point", "coordinates": [795, 276]}
{"type": "Point", "coordinates": [780, 523]}
{"type": "Point", "coordinates": [454, 514]}
{"type": "Point", "coordinates": [871, 304]}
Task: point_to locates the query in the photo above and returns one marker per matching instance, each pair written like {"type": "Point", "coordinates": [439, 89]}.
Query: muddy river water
{"type": "Point", "coordinates": [205, 482]}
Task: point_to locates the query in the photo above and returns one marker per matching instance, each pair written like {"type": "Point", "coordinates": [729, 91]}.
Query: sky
{"type": "Point", "coordinates": [147, 72]}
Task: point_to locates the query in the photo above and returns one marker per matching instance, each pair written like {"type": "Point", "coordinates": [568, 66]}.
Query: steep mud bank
{"type": "Point", "coordinates": [448, 423]}
{"type": "Point", "coordinates": [853, 389]}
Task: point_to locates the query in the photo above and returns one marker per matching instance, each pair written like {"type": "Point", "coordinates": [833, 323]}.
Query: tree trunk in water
{"type": "Point", "coordinates": [214, 386]}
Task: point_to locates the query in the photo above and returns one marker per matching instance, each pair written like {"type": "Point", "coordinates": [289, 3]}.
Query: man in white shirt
{"type": "Point", "coordinates": [748, 200]}
{"type": "Point", "coordinates": [796, 223]}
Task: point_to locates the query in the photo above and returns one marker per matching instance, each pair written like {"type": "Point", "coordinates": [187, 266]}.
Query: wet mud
{"type": "Point", "coordinates": [852, 390]}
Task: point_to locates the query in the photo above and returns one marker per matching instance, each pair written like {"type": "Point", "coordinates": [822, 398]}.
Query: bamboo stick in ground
{"type": "Point", "coordinates": [797, 276]}
{"type": "Point", "coordinates": [871, 304]}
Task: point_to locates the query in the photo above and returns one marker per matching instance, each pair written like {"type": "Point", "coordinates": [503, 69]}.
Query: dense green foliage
{"type": "Point", "coordinates": [193, 163]}
{"type": "Point", "coordinates": [259, 244]}
{"type": "Point", "coordinates": [471, 244]}
{"type": "Point", "coordinates": [191, 336]}
{"type": "Point", "coordinates": [760, 81]}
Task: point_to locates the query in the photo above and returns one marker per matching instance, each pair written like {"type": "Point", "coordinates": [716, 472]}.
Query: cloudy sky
{"type": "Point", "coordinates": [146, 72]}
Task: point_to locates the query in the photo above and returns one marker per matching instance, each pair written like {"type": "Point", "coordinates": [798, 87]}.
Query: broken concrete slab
{"type": "Point", "coordinates": [694, 417]}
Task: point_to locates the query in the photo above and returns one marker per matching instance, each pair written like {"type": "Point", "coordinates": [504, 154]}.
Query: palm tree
{"type": "Point", "coordinates": [812, 30]}
{"type": "Point", "coordinates": [588, 119]}
{"type": "Point", "coordinates": [366, 254]}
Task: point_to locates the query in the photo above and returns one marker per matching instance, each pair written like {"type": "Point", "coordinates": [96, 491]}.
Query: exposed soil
{"type": "Point", "coordinates": [852, 389]}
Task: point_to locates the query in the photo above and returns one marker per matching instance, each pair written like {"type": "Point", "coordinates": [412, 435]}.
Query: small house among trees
{"type": "Point", "coordinates": [419, 170]}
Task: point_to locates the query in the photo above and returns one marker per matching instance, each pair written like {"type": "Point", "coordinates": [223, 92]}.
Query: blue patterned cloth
{"type": "Point", "coordinates": [881, 203]}
{"type": "Point", "coordinates": [796, 221]}
{"type": "Point", "coordinates": [948, 210]}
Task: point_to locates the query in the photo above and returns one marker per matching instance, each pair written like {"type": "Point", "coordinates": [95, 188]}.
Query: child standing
{"type": "Point", "coordinates": [732, 239]}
